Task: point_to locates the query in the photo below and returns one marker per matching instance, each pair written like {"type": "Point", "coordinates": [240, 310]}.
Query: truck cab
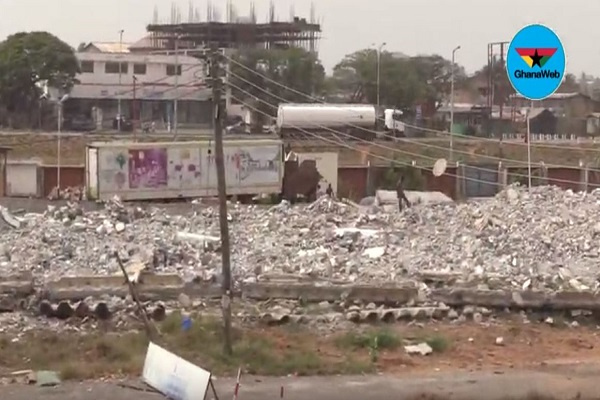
{"type": "Point", "coordinates": [393, 122]}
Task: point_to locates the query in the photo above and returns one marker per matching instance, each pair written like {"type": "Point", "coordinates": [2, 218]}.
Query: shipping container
{"type": "Point", "coordinates": [147, 171]}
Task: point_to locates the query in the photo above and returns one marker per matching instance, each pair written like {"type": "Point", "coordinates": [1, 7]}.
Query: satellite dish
{"type": "Point", "coordinates": [439, 167]}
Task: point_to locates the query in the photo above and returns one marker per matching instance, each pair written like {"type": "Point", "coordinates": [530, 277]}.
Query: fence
{"type": "Point", "coordinates": [356, 182]}
{"type": "Point", "coordinates": [469, 180]}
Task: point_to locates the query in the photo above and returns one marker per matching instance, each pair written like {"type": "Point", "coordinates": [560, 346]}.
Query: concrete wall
{"type": "Point", "coordinates": [353, 181]}
{"type": "Point", "coordinates": [70, 176]}
{"type": "Point", "coordinates": [23, 179]}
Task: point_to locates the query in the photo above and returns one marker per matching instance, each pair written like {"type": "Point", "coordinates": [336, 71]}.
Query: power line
{"type": "Point", "coordinates": [393, 150]}
{"type": "Point", "coordinates": [405, 124]}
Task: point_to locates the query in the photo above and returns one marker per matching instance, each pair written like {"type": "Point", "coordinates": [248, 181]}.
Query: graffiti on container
{"type": "Point", "coordinates": [114, 169]}
{"type": "Point", "coordinates": [184, 168]}
{"type": "Point", "coordinates": [246, 164]}
{"type": "Point", "coordinates": [147, 168]}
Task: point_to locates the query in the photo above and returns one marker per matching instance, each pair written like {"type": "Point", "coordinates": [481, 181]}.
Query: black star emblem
{"type": "Point", "coordinates": [536, 58]}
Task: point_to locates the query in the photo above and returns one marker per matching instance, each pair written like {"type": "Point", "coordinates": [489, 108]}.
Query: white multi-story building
{"type": "Point", "coordinates": [146, 84]}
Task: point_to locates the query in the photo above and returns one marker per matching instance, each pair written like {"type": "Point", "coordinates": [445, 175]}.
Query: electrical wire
{"type": "Point", "coordinates": [341, 143]}
{"type": "Point", "coordinates": [393, 150]}
{"type": "Point", "coordinates": [540, 145]}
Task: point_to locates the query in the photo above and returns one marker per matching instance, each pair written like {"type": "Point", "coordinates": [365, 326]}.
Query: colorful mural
{"type": "Point", "coordinates": [185, 168]}
{"type": "Point", "coordinates": [147, 168]}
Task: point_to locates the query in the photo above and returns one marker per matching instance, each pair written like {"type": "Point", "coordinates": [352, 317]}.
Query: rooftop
{"type": "Point", "coordinates": [107, 47]}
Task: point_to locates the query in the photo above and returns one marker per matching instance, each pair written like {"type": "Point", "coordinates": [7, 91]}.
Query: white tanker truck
{"type": "Point", "coordinates": [358, 120]}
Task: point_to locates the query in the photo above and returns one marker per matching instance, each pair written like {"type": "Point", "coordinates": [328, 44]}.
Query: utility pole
{"type": "Point", "coordinates": [452, 103]}
{"type": "Point", "coordinates": [120, 76]}
{"type": "Point", "coordinates": [381, 46]}
{"type": "Point", "coordinates": [134, 109]}
{"type": "Point", "coordinates": [176, 85]}
{"type": "Point", "coordinates": [215, 73]}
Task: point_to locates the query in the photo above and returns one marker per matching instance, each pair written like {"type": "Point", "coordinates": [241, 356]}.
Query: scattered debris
{"type": "Point", "coordinates": [421, 348]}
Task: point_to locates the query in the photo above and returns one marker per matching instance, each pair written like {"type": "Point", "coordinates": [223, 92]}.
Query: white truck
{"type": "Point", "coordinates": [355, 119]}
{"type": "Point", "coordinates": [171, 170]}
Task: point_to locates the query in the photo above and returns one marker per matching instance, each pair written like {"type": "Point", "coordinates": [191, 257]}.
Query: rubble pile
{"type": "Point", "coordinates": [544, 239]}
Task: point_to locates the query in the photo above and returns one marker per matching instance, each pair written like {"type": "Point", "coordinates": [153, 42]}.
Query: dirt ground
{"type": "Point", "coordinates": [298, 351]}
{"type": "Point", "coordinates": [562, 382]}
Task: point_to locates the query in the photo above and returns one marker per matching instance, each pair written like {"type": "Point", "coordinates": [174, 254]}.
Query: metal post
{"type": "Point", "coordinates": [452, 103]}
{"type": "Point", "coordinates": [176, 85]}
{"type": "Point", "coordinates": [134, 109]}
{"type": "Point", "coordinates": [379, 74]}
{"type": "Point", "coordinates": [529, 150]}
{"type": "Point", "coordinates": [120, 75]}
{"type": "Point", "coordinates": [222, 186]}
{"type": "Point", "coordinates": [58, 161]}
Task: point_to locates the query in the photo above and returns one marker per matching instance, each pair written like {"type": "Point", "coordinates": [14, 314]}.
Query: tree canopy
{"type": "Point", "coordinates": [404, 81]}
{"type": "Point", "coordinates": [28, 59]}
{"type": "Point", "coordinates": [295, 68]}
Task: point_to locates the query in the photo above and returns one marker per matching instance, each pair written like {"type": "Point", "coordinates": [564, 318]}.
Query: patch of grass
{"type": "Point", "coordinates": [438, 343]}
{"type": "Point", "coordinates": [380, 339]}
{"type": "Point", "coordinates": [273, 351]}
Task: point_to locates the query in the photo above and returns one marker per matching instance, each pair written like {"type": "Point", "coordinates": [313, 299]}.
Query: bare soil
{"type": "Point", "coordinates": [297, 350]}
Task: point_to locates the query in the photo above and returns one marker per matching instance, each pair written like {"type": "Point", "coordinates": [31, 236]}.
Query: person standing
{"type": "Point", "coordinates": [400, 192]}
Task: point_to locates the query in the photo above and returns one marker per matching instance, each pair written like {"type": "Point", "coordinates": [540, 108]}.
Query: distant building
{"type": "Point", "coordinates": [568, 105]}
{"type": "Point", "coordinates": [147, 87]}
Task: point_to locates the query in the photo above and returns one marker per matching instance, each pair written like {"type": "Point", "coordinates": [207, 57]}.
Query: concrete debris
{"type": "Point", "coordinates": [543, 240]}
{"type": "Point", "coordinates": [421, 349]}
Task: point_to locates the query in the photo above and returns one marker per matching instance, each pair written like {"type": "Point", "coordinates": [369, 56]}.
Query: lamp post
{"type": "Point", "coordinates": [120, 75]}
{"type": "Point", "coordinates": [452, 102]}
{"type": "Point", "coordinates": [58, 158]}
{"type": "Point", "coordinates": [381, 46]}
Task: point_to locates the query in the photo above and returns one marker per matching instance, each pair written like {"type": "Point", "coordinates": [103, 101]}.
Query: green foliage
{"type": "Point", "coordinates": [404, 82]}
{"type": "Point", "coordinates": [295, 68]}
{"type": "Point", "coordinates": [382, 339]}
{"type": "Point", "coordinates": [28, 58]}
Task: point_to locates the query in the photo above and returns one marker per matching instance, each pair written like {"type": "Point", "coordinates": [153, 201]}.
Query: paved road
{"type": "Point", "coordinates": [560, 382]}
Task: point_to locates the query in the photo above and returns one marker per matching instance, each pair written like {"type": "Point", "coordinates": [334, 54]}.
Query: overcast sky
{"type": "Point", "coordinates": [410, 26]}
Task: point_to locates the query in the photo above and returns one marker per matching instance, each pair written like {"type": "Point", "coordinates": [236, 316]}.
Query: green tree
{"type": "Point", "coordinates": [404, 82]}
{"type": "Point", "coordinates": [28, 59]}
{"type": "Point", "coordinates": [295, 68]}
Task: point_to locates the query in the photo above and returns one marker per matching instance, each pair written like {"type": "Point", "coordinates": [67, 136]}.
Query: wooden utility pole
{"type": "Point", "coordinates": [215, 72]}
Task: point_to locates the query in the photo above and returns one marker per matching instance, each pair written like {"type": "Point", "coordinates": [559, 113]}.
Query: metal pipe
{"type": "Point", "coordinates": [452, 102]}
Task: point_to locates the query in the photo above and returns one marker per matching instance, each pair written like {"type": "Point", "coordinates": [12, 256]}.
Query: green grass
{"type": "Point", "coordinates": [380, 339]}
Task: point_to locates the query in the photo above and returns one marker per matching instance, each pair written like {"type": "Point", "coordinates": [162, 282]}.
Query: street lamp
{"type": "Point", "coordinates": [58, 160]}
{"type": "Point", "coordinates": [120, 75]}
{"type": "Point", "coordinates": [381, 46]}
{"type": "Point", "coordinates": [452, 103]}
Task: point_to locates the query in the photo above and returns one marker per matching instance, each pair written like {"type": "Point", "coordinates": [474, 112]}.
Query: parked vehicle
{"type": "Point", "coordinates": [79, 123]}
{"type": "Point", "coordinates": [358, 120]}
{"type": "Point", "coordinates": [126, 125]}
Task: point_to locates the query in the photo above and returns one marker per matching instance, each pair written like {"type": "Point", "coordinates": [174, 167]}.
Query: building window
{"type": "Point", "coordinates": [171, 70]}
{"type": "Point", "coordinates": [87, 67]}
{"type": "Point", "coordinates": [139, 69]}
{"type": "Point", "coordinates": [113, 68]}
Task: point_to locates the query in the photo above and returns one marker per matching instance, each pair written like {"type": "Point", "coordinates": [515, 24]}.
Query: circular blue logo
{"type": "Point", "coordinates": [536, 62]}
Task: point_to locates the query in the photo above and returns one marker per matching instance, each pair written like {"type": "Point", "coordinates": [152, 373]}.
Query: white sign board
{"type": "Point", "coordinates": [173, 376]}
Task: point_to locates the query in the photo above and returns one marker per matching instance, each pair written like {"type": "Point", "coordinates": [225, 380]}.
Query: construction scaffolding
{"type": "Point", "coordinates": [236, 33]}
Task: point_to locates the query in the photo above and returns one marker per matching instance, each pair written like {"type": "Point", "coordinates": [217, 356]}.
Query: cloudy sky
{"type": "Point", "coordinates": [410, 26]}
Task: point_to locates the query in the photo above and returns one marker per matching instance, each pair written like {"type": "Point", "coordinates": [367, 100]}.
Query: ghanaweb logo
{"type": "Point", "coordinates": [536, 62]}
{"type": "Point", "coordinates": [536, 58]}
